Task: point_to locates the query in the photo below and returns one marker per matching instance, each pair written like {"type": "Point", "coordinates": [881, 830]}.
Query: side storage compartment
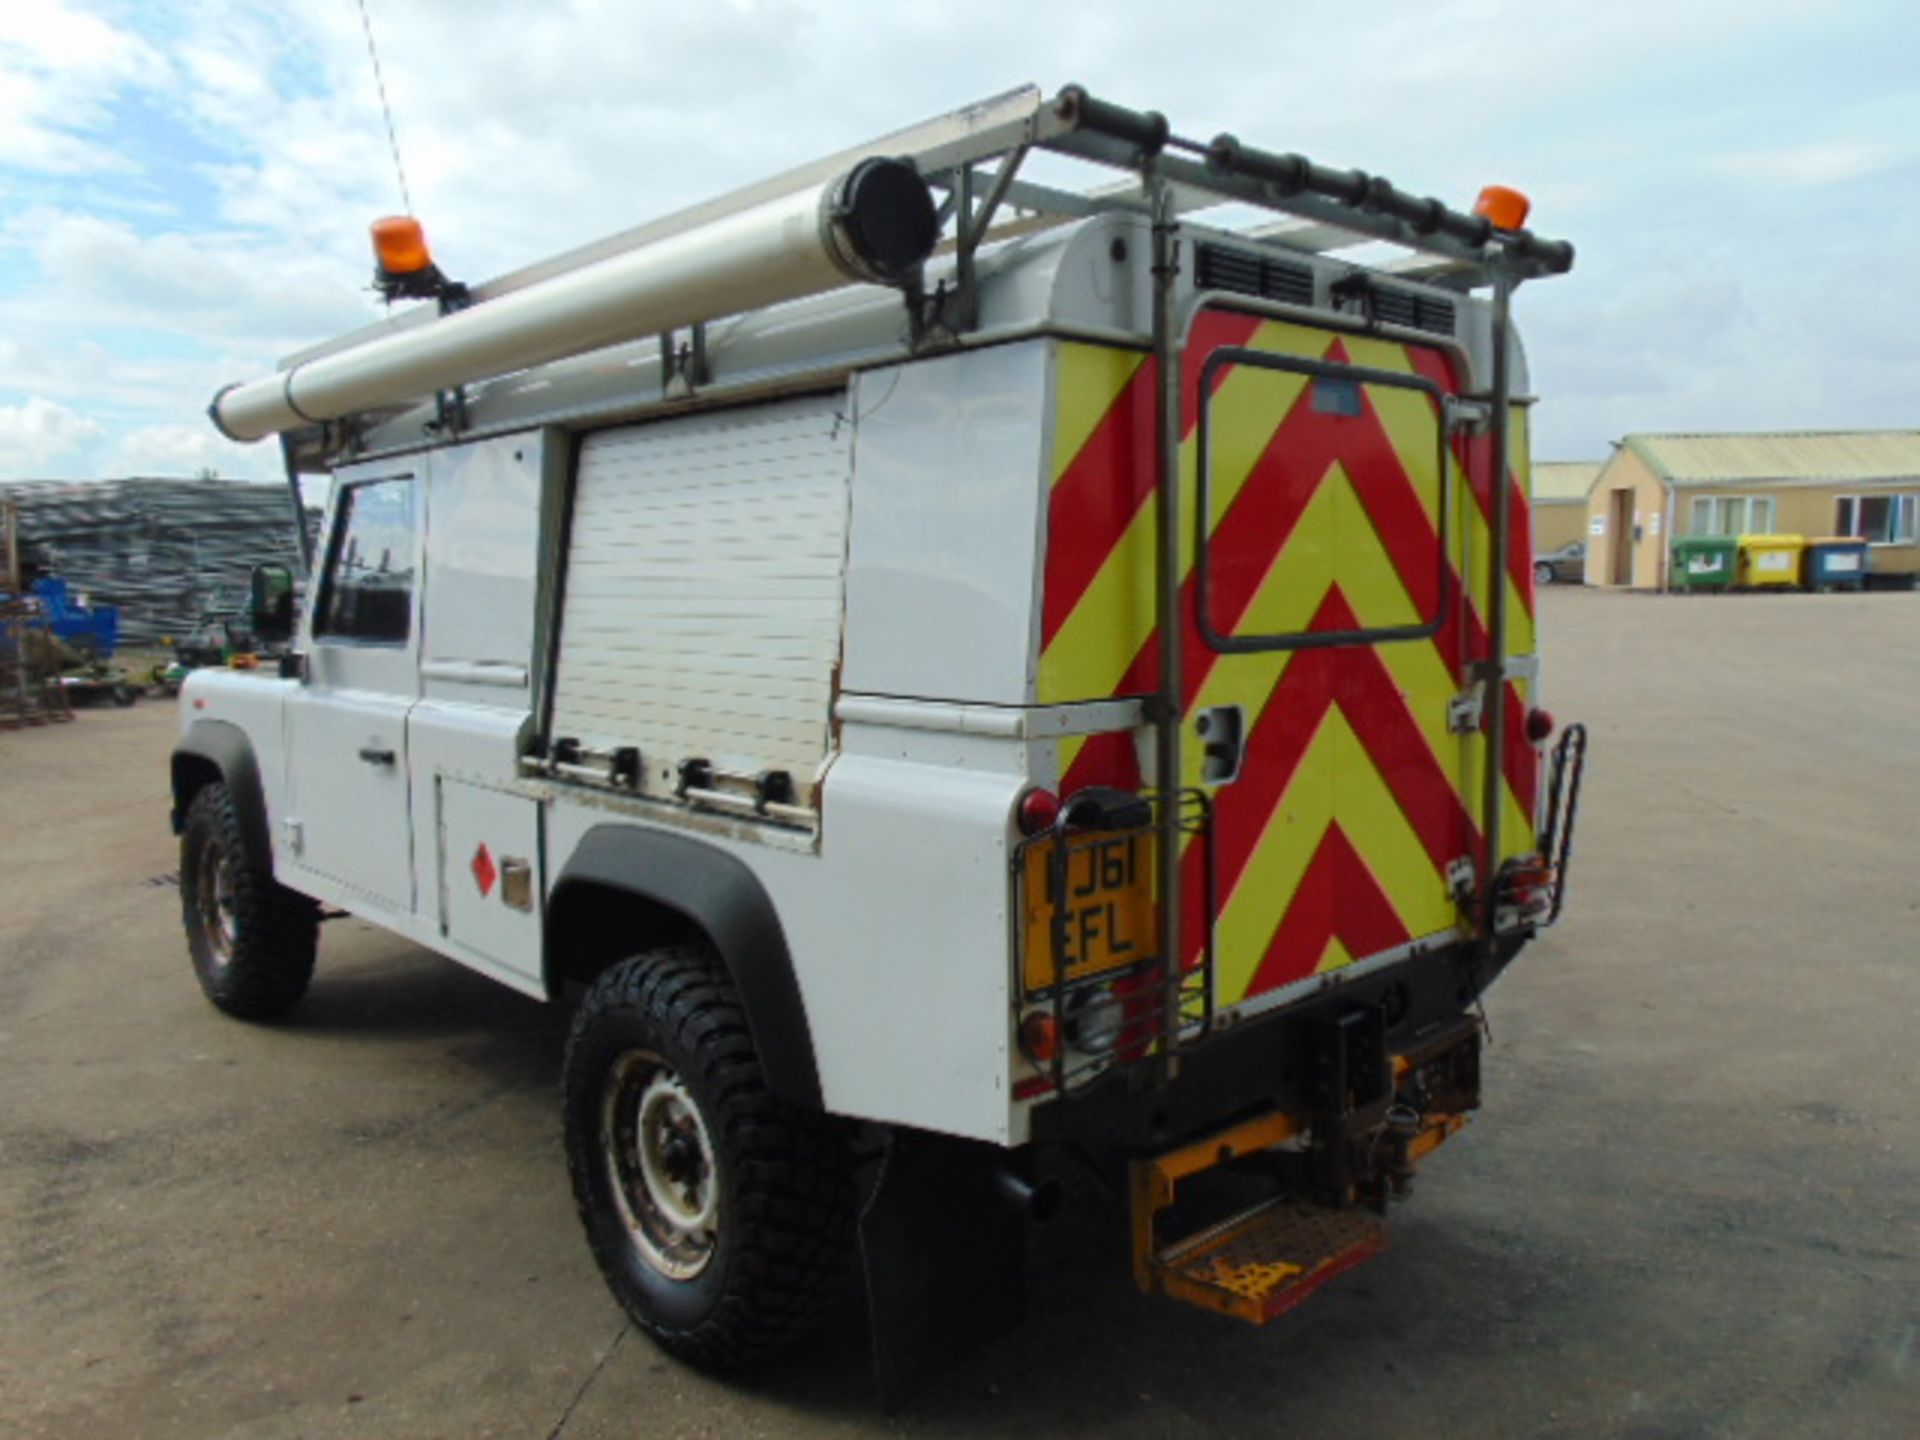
{"type": "Point", "coordinates": [492, 897]}
{"type": "Point", "coordinates": [701, 618]}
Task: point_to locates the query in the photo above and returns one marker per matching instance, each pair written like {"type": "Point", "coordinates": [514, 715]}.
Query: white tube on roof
{"type": "Point", "coordinates": [869, 224]}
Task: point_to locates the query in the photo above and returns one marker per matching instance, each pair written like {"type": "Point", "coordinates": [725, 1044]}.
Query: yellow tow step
{"type": "Point", "coordinates": [1262, 1263]}
{"type": "Point", "coordinates": [1258, 1264]}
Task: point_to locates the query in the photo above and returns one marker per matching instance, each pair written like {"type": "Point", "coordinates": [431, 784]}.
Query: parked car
{"type": "Point", "coordinates": [1565, 566]}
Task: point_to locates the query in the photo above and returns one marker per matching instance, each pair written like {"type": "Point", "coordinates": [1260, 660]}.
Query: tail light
{"type": "Point", "coordinates": [1039, 1037]}
{"type": "Point", "coordinates": [1527, 887]}
{"type": "Point", "coordinates": [1037, 811]}
{"type": "Point", "coordinates": [1539, 725]}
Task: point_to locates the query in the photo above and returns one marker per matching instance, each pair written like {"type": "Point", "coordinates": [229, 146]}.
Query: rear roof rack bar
{"type": "Point", "coordinates": [1340, 207]}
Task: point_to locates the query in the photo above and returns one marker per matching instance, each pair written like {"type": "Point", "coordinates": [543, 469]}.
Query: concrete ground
{"type": "Point", "coordinates": [1689, 1208]}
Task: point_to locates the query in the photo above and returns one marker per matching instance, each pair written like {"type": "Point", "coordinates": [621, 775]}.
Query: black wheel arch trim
{"type": "Point", "coordinates": [717, 892]}
{"type": "Point", "coordinates": [226, 747]}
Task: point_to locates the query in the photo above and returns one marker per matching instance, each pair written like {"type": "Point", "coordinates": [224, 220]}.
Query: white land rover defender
{"type": "Point", "coordinates": [822, 629]}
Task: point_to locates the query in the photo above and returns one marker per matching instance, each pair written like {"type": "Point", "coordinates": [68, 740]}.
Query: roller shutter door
{"type": "Point", "coordinates": [703, 601]}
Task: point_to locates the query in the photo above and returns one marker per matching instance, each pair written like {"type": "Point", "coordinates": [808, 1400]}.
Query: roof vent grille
{"type": "Point", "coordinates": [1412, 310]}
{"type": "Point", "coordinates": [1220, 268]}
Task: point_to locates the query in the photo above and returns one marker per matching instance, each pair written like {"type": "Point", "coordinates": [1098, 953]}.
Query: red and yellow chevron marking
{"type": "Point", "coordinates": [1354, 796]}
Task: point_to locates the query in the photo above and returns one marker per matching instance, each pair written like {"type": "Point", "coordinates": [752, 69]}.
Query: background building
{"type": "Point", "coordinates": [1560, 502]}
{"type": "Point", "coordinates": [1863, 483]}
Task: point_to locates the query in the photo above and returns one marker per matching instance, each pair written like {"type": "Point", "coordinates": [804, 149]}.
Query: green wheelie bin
{"type": "Point", "coordinates": [1703, 562]}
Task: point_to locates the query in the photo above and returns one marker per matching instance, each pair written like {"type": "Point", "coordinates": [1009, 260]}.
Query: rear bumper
{"type": "Point", "coordinates": [1268, 1063]}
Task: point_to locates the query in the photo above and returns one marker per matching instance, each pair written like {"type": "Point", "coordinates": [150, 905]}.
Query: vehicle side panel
{"type": "Point", "coordinates": [898, 927]}
{"type": "Point", "coordinates": [897, 915]}
{"type": "Point", "coordinates": [944, 552]}
{"type": "Point", "coordinates": [488, 513]}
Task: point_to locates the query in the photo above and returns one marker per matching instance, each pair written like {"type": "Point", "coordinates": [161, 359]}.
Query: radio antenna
{"type": "Point", "coordinates": [380, 83]}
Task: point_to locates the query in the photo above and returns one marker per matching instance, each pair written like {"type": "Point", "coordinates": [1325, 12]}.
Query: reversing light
{"type": "Point", "coordinates": [400, 245]}
{"type": "Point", "coordinates": [1039, 1037]}
{"type": "Point", "coordinates": [1038, 810]}
{"type": "Point", "coordinates": [1504, 207]}
{"type": "Point", "coordinates": [1539, 725]}
{"type": "Point", "coordinates": [1094, 1017]}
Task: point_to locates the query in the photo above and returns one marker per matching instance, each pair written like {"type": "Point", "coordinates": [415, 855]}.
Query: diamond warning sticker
{"type": "Point", "coordinates": [484, 870]}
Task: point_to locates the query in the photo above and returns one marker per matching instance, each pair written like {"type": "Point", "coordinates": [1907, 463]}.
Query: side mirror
{"type": "Point", "coordinates": [271, 613]}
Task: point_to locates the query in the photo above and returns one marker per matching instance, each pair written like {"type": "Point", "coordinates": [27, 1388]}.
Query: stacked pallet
{"type": "Point", "coordinates": [170, 554]}
{"type": "Point", "coordinates": [29, 693]}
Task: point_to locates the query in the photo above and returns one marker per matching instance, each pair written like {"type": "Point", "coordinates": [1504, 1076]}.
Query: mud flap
{"type": "Point", "coordinates": [944, 1254]}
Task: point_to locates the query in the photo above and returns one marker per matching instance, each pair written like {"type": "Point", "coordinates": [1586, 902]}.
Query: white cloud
{"type": "Point", "coordinates": [180, 449]}
{"type": "Point", "coordinates": [37, 434]}
{"type": "Point", "coordinates": [216, 285]}
{"type": "Point", "coordinates": [1828, 162]}
{"type": "Point", "coordinates": [60, 69]}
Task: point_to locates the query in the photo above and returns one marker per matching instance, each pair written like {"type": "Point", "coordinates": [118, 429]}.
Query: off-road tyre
{"type": "Point", "coordinates": [669, 1025]}
{"type": "Point", "coordinates": [252, 939]}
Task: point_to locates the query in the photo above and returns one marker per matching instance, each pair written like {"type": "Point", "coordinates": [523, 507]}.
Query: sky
{"type": "Point", "coordinates": [185, 186]}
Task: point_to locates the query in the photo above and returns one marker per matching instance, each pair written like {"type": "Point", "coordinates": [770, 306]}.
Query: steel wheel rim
{"type": "Point", "coordinates": [214, 897]}
{"type": "Point", "coordinates": [660, 1164]}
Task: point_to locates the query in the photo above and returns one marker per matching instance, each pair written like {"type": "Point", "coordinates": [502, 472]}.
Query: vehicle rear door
{"type": "Point", "coordinates": [1334, 618]}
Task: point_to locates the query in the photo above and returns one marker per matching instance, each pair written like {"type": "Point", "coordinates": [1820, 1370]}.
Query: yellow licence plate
{"type": "Point", "coordinates": [1108, 909]}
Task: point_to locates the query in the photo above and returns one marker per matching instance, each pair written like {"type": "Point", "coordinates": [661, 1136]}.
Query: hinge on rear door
{"type": "Point", "coordinates": [1463, 414]}
{"type": "Point", "coordinates": [1461, 874]}
{"type": "Point", "coordinates": [1464, 709]}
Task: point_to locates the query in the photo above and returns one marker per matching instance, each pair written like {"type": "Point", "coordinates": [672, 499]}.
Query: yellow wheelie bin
{"type": "Point", "coordinates": [1770, 562]}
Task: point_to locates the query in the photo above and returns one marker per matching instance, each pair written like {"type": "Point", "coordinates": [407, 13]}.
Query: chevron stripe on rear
{"type": "Point", "coordinates": [1354, 797]}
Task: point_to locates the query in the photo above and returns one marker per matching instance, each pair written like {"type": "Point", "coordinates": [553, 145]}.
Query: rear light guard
{"type": "Point", "coordinates": [1088, 976]}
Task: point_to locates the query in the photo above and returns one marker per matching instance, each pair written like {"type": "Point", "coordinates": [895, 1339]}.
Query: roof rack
{"type": "Point", "coordinates": [873, 214]}
{"type": "Point", "coordinates": [1323, 209]}
{"type": "Point", "coordinates": [1327, 209]}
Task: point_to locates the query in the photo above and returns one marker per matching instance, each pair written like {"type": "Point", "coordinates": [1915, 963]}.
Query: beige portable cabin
{"type": "Point", "coordinates": [1560, 502]}
{"type": "Point", "coordinates": [1656, 488]}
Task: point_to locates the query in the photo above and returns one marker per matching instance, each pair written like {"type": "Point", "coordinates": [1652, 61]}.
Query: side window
{"type": "Point", "coordinates": [367, 590]}
{"type": "Point", "coordinates": [1879, 519]}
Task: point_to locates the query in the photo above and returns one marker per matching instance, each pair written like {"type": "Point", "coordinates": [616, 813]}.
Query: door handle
{"type": "Point", "coordinates": [1222, 731]}
{"type": "Point", "coordinates": [375, 756]}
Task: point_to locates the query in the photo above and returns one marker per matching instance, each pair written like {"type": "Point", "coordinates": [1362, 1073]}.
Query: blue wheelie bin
{"type": "Point", "coordinates": [1835, 562]}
